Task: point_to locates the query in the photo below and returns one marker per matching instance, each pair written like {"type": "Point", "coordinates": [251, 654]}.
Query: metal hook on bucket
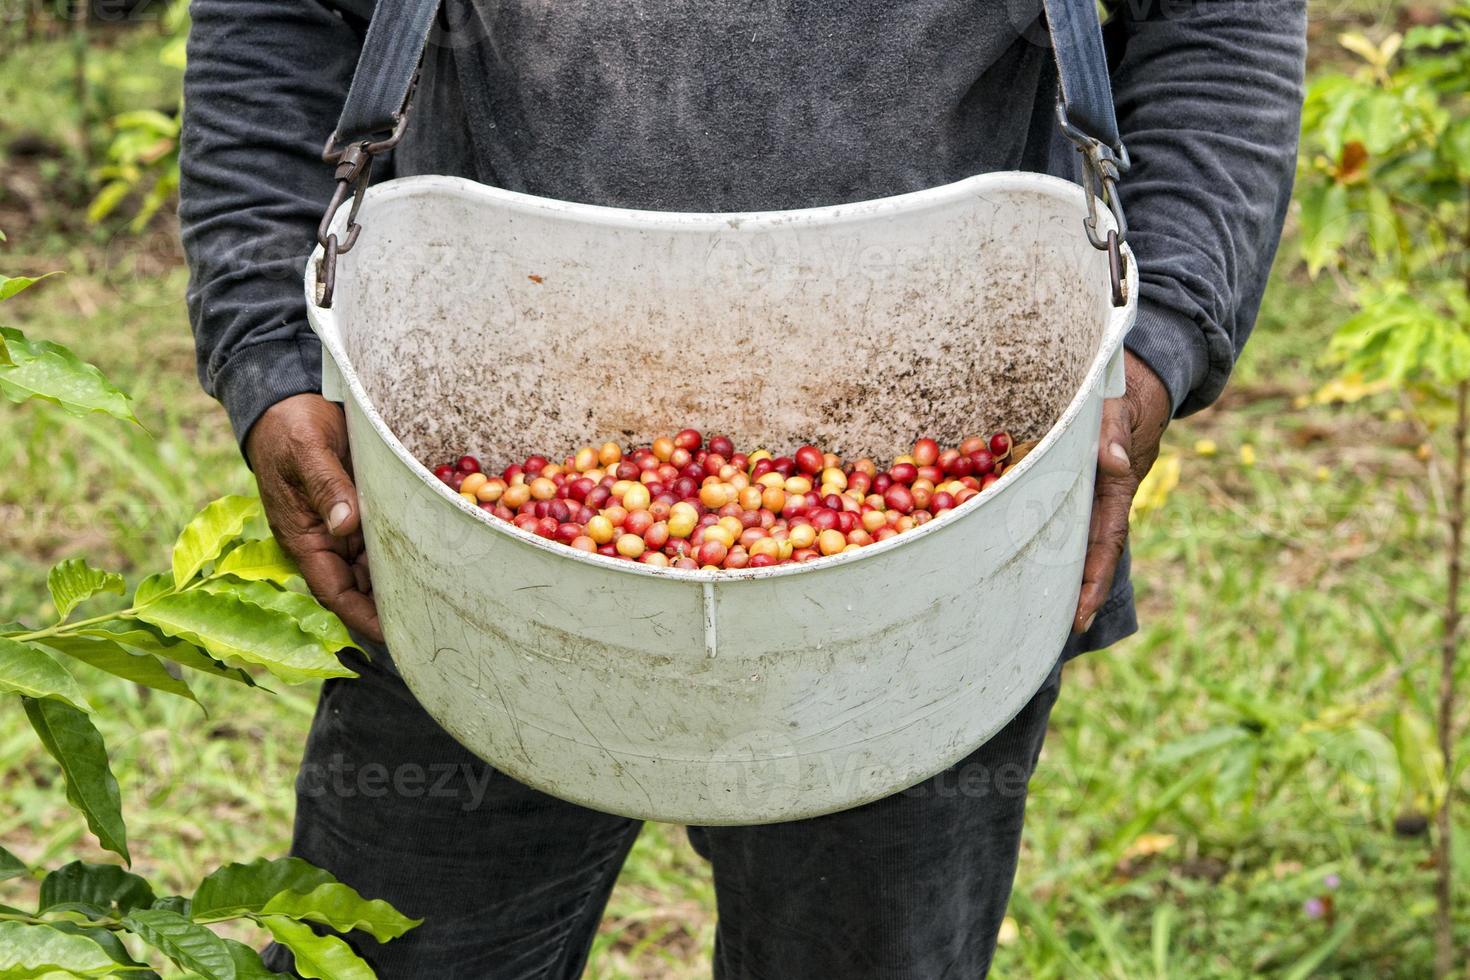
{"type": "Point", "coordinates": [354, 172]}
{"type": "Point", "coordinates": [1102, 166]}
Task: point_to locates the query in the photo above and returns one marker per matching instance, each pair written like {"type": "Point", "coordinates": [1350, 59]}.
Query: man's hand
{"type": "Point", "coordinates": [1131, 429]}
{"type": "Point", "coordinates": [298, 450]}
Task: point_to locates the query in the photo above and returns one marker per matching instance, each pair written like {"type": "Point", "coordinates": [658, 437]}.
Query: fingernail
{"type": "Point", "coordinates": [1090, 620]}
{"type": "Point", "coordinates": [339, 513]}
{"type": "Point", "coordinates": [1119, 452]}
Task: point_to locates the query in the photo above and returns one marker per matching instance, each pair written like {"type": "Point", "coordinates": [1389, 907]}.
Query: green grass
{"type": "Point", "coordinates": [1289, 612]}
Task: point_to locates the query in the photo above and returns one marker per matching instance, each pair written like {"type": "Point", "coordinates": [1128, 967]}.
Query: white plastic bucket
{"type": "Point", "coordinates": [472, 318]}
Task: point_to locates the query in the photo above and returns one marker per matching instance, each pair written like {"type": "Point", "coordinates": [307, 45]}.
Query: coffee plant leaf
{"type": "Point", "coordinates": [11, 285]}
{"type": "Point", "coordinates": [91, 788]}
{"type": "Point", "coordinates": [11, 866]}
{"type": "Point", "coordinates": [106, 655]}
{"type": "Point", "coordinates": [249, 965]}
{"type": "Point", "coordinates": [242, 888]}
{"type": "Point", "coordinates": [28, 950]}
{"type": "Point", "coordinates": [343, 909]}
{"type": "Point", "coordinates": [107, 886]}
{"type": "Point", "coordinates": [259, 560]}
{"type": "Point", "coordinates": [146, 639]}
{"type": "Point", "coordinates": [27, 670]}
{"type": "Point", "coordinates": [313, 618]}
{"type": "Point", "coordinates": [187, 943]}
{"type": "Point", "coordinates": [152, 587]}
{"type": "Point", "coordinates": [74, 581]}
{"type": "Point", "coordinates": [318, 957]}
{"type": "Point", "coordinates": [174, 903]}
{"type": "Point", "coordinates": [204, 538]}
{"type": "Point", "coordinates": [111, 945]}
{"type": "Point", "coordinates": [236, 631]}
{"type": "Point", "coordinates": [40, 369]}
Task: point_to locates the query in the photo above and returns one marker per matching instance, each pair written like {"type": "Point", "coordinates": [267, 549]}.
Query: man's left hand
{"type": "Point", "coordinates": [1131, 429]}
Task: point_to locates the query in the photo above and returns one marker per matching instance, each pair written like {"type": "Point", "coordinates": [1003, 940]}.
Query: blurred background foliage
{"type": "Point", "coordinates": [1245, 788]}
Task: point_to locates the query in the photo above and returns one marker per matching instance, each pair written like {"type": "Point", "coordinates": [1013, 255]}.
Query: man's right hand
{"type": "Point", "coordinates": [298, 450]}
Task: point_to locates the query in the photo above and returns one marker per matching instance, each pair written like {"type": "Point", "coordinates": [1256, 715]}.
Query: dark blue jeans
{"type": "Point", "coordinates": [511, 883]}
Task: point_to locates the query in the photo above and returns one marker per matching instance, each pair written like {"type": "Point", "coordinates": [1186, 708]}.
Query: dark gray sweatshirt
{"type": "Point", "coordinates": [730, 106]}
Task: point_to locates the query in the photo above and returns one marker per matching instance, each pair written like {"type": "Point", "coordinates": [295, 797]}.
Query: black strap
{"type": "Point", "coordinates": [1082, 68]}
{"type": "Point", "coordinates": [385, 70]}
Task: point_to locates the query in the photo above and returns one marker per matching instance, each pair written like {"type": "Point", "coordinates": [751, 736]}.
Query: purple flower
{"type": "Point", "coordinates": [1314, 908]}
{"type": "Point", "coordinates": [1331, 881]}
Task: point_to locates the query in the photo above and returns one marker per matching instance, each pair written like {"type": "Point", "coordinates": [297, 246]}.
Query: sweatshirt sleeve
{"type": "Point", "coordinates": [1209, 100]}
{"type": "Point", "coordinates": [265, 82]}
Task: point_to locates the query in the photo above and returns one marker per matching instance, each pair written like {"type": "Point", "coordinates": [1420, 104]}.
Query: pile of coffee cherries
{"type": "Point", "coordinates": [687, 502]}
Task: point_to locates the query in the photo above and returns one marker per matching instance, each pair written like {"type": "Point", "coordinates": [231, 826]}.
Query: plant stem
{"type": "Point", "coordinates": [39, 920]}
{"type": "Point", "coordinates": [60, 628]}
{"type": "Point", "coordinates": [1444, 936]}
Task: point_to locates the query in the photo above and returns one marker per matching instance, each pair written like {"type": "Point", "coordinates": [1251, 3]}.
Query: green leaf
{"type": "Point", "coordinates": [1325, 223]}
{"type": "Point", "coordinates": [238, 889]}
{"type": "Point", "coordinates": [313, 618]}
{"type": "Point", "coordinates": [147, 639]}
{"type": "Point", "coordinates": [108, 198]}
{"type": "Point", "coordinates": [77, 747]}
{"type": "Point", "coordinates": [177, 904]}
{"type": "Point", "coordinates": [106, 655]}
{"type": "Point", "coordinates": [111, 945]}
{"type": "Point", "coordinates": [236, 631]}
{"type": "Point", "coordinates": [33, 951]}
{"type": "Point", "coordinates": [30, 671]}
{"type": "Point", "coordinates": [248, 964]}
{"type": "Point", "coordinates": [10, 285]}
{"type": "Point", "coordinates": [74, 581]}
{"type": "Point", "coordinates": [50, 372]}
{"type": "Point", "coordinates": [11, 866]}
{"type": "Point", "coordinates": [343, 909]}
{"type": "Point", "coordinates": [104, 885]}
{"type": "Point", "coordinates": [155, 585]}
{"type": "Point", "coordinates": [259, 560]}
{"type": "Point", "coordinates": [188, 944]}
{"type": "Point", "coordinates": [204, 537]}
{"type": "Point", "coordinates": [324, 957]}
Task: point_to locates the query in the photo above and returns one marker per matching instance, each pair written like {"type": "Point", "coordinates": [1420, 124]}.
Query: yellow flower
{"type": "Point", "coordinates": [1206, 447]}
{"type": "Point", "coordinates": [1154, 491]}
{"type": "Point", "coordinates": [1009, 931]}
{"type": "Point", "coordinates": [1247, 455]}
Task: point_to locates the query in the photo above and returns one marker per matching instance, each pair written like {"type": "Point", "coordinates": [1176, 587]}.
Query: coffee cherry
{"type": "Point", "coordinates": [600, 529]}
{"type": "Point", "coordinates": [685, 503]}
{"type": "Point", "coordinates": [898, 497]}
{"type": "Point", "coordinates": [637, 497]}
{"type": "Point", "coordinates": [809, 459]}
{"type": "Point", "coordinates": [926, 452]}
{"type": "Point", "coordinates": [712, 553]}
{"type": "Point", "coordinates": [638, 522]}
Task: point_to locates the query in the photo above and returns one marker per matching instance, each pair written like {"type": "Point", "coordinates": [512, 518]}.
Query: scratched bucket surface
{"type": "Point", "coordinates": [472, 318]}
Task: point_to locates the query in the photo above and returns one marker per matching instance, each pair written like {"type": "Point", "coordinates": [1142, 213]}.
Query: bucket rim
{"type": "Point", "coordinates": [1120, 319]}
